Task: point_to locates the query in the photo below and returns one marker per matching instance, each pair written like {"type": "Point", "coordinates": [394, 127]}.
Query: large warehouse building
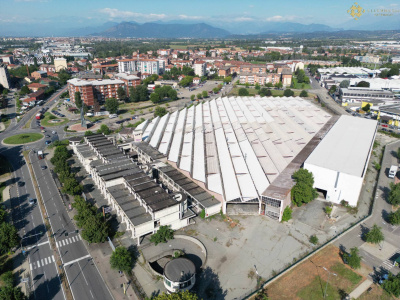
{"type": "Point", "coordinates": [238, 148]}
{"type": "Point", "coordinates": [340, 161]}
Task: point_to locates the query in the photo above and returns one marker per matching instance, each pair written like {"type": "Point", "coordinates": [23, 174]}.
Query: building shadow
{"type": "Point", "coordinates": [386, 191]}
{"type": "Point", "coordinates": [48, 289]}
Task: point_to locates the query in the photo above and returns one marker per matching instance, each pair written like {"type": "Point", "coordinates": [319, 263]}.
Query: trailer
{"type": "Point", "coordinates": [40, 154]}
{"type": "Point", "coordinates": [38, 116]}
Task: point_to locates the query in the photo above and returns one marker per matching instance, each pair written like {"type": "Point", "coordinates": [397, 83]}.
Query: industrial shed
{"type": "Point", "coordinates": [340, 161]}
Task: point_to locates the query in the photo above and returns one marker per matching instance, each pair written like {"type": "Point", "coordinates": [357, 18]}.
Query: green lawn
{"type": "Point", "coordinates": [346, 273]}
{"type": "Point", "coordinates": [300, 86]}
{"type": "Point", "coordinates": [23, 138]}
{"type": "Point", "coordinates": [49, 116]}
{"type": "Point", "coordinates": [316, 289]}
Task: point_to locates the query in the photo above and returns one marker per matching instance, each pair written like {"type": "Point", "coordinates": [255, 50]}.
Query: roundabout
{"type": "Point", "coordinates": [23, 138]}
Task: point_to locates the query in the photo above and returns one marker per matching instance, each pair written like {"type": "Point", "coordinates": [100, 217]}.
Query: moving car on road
{"type": "Point", "coordinates": [32, 201]}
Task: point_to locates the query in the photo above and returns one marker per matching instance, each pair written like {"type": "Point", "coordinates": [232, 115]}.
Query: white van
{"type": "Point", "coordinates": [89, 115]}
{"type": "Point", "coordinates": [392, 171]}
{"type": "Point", "coordinates": [112, 116]}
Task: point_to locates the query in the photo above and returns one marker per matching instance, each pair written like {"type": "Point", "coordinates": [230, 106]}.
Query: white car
{"type": "Point", "coordinates": [54, 132]}
{"type": "Point", "coordinates": [112, 116]}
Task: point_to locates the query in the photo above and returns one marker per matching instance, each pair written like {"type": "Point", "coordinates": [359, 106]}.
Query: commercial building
{"type": "Point", "coordinates": [4, 76]}
{"type": "Point", "coordinates": [359, 94]}
{"type": "Point", "coordinates": [241, 150]}
{"type": "Point", "coordinates": [132, 192]}
{"type": "Point", "coordinates": [340, 161]}
{"type": "Point", "coordinates": [325, 73]}
{"type": "Point", "coordinates": [60, 64]}
{"type": "Point", "coordinates": [94, 91]}
{"type": "Point", "coordinates": [379, 83]}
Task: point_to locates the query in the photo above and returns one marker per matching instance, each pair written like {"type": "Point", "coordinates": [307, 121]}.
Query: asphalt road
{"type": "Point", "coordinates": [82, 274]}
{"type": "Point", "coordinates": [45, 282]}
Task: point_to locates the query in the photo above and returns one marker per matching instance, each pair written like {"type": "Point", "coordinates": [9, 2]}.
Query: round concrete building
{"type": "Point", "coordinates": [179, 275]}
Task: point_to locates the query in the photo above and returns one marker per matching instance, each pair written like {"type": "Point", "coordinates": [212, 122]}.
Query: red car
{"type": "Point", "coordinates": [41, 128]}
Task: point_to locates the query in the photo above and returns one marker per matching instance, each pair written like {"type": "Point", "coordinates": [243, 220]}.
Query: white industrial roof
{"type": "Point", "coordinates": [237, 146]}
{"type": "Point", "coordinates": [346, 147]}
{"type": "Point", "coordinates": [81, 82]}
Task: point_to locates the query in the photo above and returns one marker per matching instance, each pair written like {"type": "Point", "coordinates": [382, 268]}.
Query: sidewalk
{"type": "Point", "coordinates": [358, 291]}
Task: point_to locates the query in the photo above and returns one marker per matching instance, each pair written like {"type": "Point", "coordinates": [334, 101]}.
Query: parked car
{"type": "Point", "coordinates": [112, 116]}
{"type": "Point", "coordinates": [21, 183]}
{"type": "Point", "coordinates": [383, 278]}
{"type": "Point", "coordinates": [48, 142]}
{"type": "Point", "coordinates": [43, 167]}
{"type": "Point", "coordinates": [32, 201]}
{"type": "Point", "coordinates": [54, 132]}
{"type": "Point", "coordinates": [42, 127]}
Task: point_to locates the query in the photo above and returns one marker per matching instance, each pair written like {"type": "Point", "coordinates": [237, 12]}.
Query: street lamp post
{"type": "Point", "coordinates": [326, 286]}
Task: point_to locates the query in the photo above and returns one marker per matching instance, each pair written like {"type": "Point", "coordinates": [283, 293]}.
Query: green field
{"type": "Point", "coordinates": [49, 116]}
{"type": "Point", "coordinates": [301, 86]}
{"type": "Point", "coordinates": [343, 271]}
{"type": "Point", "coordinates": [316, 290]}
{"type": "Point", "coordinates": [23, 138]}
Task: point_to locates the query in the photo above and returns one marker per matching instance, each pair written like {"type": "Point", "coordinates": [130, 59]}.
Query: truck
{"type": "Point", "coordinates": [40, 154]}
{"type": "Point", "coordinates": [392, 171]}
{"type": "Point", "coordinates": [38, 116]}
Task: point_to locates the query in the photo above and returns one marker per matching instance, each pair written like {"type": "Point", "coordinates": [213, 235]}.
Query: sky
{"type": "Point", "coordinates": [222, 13]}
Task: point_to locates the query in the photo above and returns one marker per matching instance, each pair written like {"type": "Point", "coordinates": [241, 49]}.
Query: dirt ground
{"type": "Point", "coordinates": [305, 273]}
{"type": "Point", "coordinates": [376, 293]}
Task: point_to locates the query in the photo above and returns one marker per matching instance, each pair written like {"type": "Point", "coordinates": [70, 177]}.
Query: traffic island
{"type": "Point", "coordinates": [23, 138]}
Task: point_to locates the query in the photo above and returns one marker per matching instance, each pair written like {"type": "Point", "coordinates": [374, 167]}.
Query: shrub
{"type": "Point", "coordinates": [287, 214]}
{"type": "Point", "coordinates": [314, 239]}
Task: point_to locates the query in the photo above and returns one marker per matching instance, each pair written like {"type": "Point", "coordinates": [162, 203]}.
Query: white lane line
{"type": "Point", "coordinates": [37, 245]}
{"type": "Point", "coordinates": [83, 273]}
{"type": "Point", "coordinates": [38, 264]}
{"type": "Point", "coordinates": [91, 293]}
{"type": "Point", "coordinates": [52, 257]}
{"type": "Point", "coordinates": [42, 262]}
{"type": "Point", "coordinates": [78, 259]}
{"type": "Point", "coordinates": [30, 265]}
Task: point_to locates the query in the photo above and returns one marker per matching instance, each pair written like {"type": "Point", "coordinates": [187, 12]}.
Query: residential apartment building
{"type": "Point", "coordinates": [200, 68]}
{"type": "Point", "coordinates": [47, 68]}
{"type": "Point", "coordinates": [95, 90]}
{"type": "Point", "coordinates": [129, 80]}
{"type": "Point", "coordinates": [149, 66]}
{"type": "Point", "coordinates": [4, 76]}
{"type": "Point", "coordinates": [127, 65]}
{"type": "Point", "coordinates": [261, 79]}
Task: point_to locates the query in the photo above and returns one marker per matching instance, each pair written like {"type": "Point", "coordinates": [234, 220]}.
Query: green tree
{"type": "Point", "coordinates": [192, 97]}
{"type": "Point", "coordinates": [314, 239]}
{"type": "Point", "coordinates": [353, 259]}
{"type": "Point", "coordinates": [24, 90]}
{"type": "Point", "coordinates": [138, 93]}
{"type": "Point", "coordinates": [9, 237]}
{"type": "Point", "coordinates": [392, 284]}
{"type": "Point", "coordinates": [112, 105]}
{"type": "Point", "coordinates": [63, 77]}
{"type": "Point", "coordinates": [228, 79]}
{"type": "Point", "coordinates": [303, 93]}
{"type": "Point", "coordinates": [257, 86]}
{"type": "Point", "coordinates": [332, 89]}
{"type": "Point", "coordinates": [374, 235]}
{"type": "Point", "coordinates": [11, 293]}
{"type": "Point", "coordinates": [398, 153]}
{"type": "Point", "coordinates": [163, 234]}
{"type": "Point", "coordinates": [394, 217]}
{"type": "Point", "coordinates": [95, 229]}
{"type": "Point", "coordinates": [188, 80]}
{"type": "Point", "coordinates": [155, 98]}
{"type": "Point", "coordinates": [160, 111]}
{"type": "Point", "coordinates": [269, 84]}
{"type": "Point", "coordinates": [205, 94]}
{"type": "Point", "coordinates": [182, 295]}
{"type": "Point", "coordinates": [287, 214]}
{"type": "Point", "coordinates": [172, 94]}
{"type": "Point", "coordinates": [121, 259]}
{"type": "Point", "coordinates": [394, 194]}
{"type": "Point", "coordinates": [345, 84]}
{"type": "Point", "coordinates": [78, 100]}
{"type": "Point", "coordinates": [199, 96]}
{"type": "Point", "coordinates": [72, 187]}
{"type": "Point", "coordinates": [363, 84]}
{"type": "Point", "coordinates": [303, 191]}
{"type": "Point", "coordinates": [288, 93]}
{"type": "Point", "coordinates": [264, 92]}
{"type": "Point", "coordinates": [367, 107]}
{"type": "Point", "coordinates": [104, 129]}
{"type": "Point", "coordinates": [121, 93]}
{"type": "Point", "coordinates": [89, 133]}
{"type": "Point", "coordinates": [279, 85]}
{"type": "Point", "coordinates": [5, 92]}
{"type": "Point", "coordinates": [8, 278]}
{"type": "Point", "coordinates": [35, 63]}
{"type": "Point", "coordinates": [328, 210]}
{"type": "Point", "coordinates": [243, 92]}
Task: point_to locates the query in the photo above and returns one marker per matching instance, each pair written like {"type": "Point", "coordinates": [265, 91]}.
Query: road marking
{"type": "Point", "coordinates": [30, 265]}
{"type": "Point", "coordinates": [71, 240]}
{"type": "Point", "coordinates": [66, 241]}
{"type": "Point", "coordinates": [63, 242]}
{"type": "Point", "coordinates": [91, 293]}
{"type": "Point", "coordinates": [76, 260]}
{"type": "Point", "coordinates": [37, 245]}
{"type": "Point", "coordinates": [45, 260]}
{"type": "Point", "coordinates": [42, 263]}
{"type": "Point", "coordinates": [52, 257]}
{"type": "Point", "coordinates": [83, 273]}
{"type": "Point", "coordinates": [38, 264]}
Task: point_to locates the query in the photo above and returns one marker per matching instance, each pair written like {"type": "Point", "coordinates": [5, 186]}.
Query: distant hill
{"type": "Point", "coordinates": [162, 30]}
{"type": "Point", "coordinates": [90, 29]}
{"type": "Point", "coordinates": [297, 27]}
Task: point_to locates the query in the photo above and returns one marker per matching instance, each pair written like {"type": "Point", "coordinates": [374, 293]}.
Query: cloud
{"type": "Point", "coordinates": [243, 19]}
{"type": "Point", "coordinates": [186, 17]}
{"type": "Point", "coordinates": [280, 18]}
{"type": "Point", "coordinates": [394, 5]}
{"type": "Point", "coordinates": [125, 14]}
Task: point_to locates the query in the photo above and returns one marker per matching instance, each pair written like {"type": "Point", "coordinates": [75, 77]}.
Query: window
{"type": "Point", "coordinates": [167, 282]}
{"type": "Point", "coordinates": [272, 202]}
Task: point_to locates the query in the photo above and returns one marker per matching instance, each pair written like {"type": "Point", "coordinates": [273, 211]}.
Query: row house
{"type": "Point", "coordinates": [138, 200]}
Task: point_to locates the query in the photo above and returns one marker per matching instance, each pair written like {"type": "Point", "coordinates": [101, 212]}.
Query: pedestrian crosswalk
{"type": "Point", "coordinates": [389, 263]}
{"type": "Point", "coordinates": [41, 262]}
{"type": "Point", "coordinates": [68, 241]}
